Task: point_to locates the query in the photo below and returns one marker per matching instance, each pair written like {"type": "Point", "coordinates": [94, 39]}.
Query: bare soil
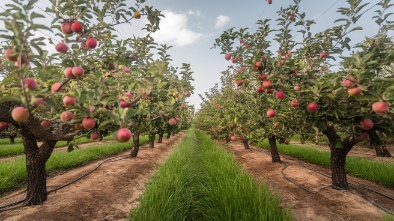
{"type": "Point", "coordinates": [106, 194]}
{"type": "Point", "coordinates": [327, 204]}
{"type": "Point", "coordinates": [114, 188]}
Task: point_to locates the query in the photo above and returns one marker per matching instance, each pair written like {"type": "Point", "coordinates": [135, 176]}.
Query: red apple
{"type": "Point", "coordinates": [95, 135]}
{"type": "Point", "coordinates": [161, 112]}
{"type": "Point", "coordinates": [366, 124]}
{"type": "Point", "coordinates": [128, 95]}
{"type": "Point", "coordinates": [260, 89]}
{"type": "Point", "coordinates": [233, 138]}
{"type": "Point", "coordinates": [262, 77]}
{"type": "Point", "coordinates": [76, 27]}
{"type": "Point", "coordinates": [267, 83]}
{"type": "Point", "coordinates": [133, 57]}
{"type": "Point", "coordinates": [22, 62]}
{"type": "Point", "coordinates": [294, 103]}
{"type": "Point", "coordinates": [46, 123]}
{"type": "Point", "coordinates": [280, 95]}
{"type": "Point", "coordinates": [30, 83]}
{"type": "Point", "coordinates": [123, 135]}
{"type": "Point", "coordinates": [227, 57]}
{"type": "Point", "coordinates": [354, 91]}
{"type": "Point", "coordinates": [258, 64]}
{"type": "Point", "coordinates": [10, 54]}
{"type": "Point", "coordinates": [271, 113]}
{"type": "Point", "coordinates": [187, 93]}
{"type": "Point", "coordinates": [78, 126]}
{"type": "Point", "coordinates": [269, 1]}
{"type": "Point", "coordinates": [239, 82]}
{"type": "Point", "coordinates": [68, 72]}
{"type": "Point", "coordinates": [126, 69]}
{"type": "Point", "coordinates": [78, 71]}
{"type": "Point", "coordinates": [66, 115]}
{"type": "Point", "coordinates": [20, 114]}
{"type": "Point", "coordinates": [66, 28]}
{"type": "Point", "coordinates": [364, 135]}
{"type": "Point", "coordinates": [380, 107]}
{"type": "Point", "coordinates": [68, 101]}
{"type": "Point", "coordinates": [61, 47]}
{"type": "Point", "coordinates": [297, 88]}
{"type": "Point", "coordinates": [312, 107]}
{"type": "Point", "coordinates": [3, 125]}
{"type": "Point", "coordinates": [323, 55]}
{"type": "Point", "coordinates": [347, 83]}
{"type": "Point", "coordinates": [56, 87]}
{"type": "Point", "coordinates": [292, 17]}
{"type": "Point", "coordinates": [91, 43]}
{"type": "Point", "coordinates": [124, 104]}
{"type": "Point", "coordinates": [88, 123]}
{"type": "Point", "coordinates": [234, 60]}
{"type": "Point", "coordinates": [172, 121]}
{"type": "Point", "coordinates": [91, 108]}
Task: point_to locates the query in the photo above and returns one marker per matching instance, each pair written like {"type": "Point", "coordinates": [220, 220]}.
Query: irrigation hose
{"type": "Point", "coordinates": [334, 187]}
{"type": "Point", "coordinates": [112, 159]}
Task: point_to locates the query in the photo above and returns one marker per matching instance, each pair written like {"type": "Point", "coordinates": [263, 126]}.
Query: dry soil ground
{"type": "Point", "coordinates": [110, 192]}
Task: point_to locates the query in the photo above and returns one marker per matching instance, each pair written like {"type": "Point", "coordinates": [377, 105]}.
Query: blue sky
{"type": "Point", "coordinates": [192, 26]}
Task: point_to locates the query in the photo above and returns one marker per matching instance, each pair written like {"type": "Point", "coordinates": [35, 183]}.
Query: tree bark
{"type": "Point", "coordinates": [168, 135]}
{"type": "Point", "coordinates": [273, 149]}
{"type": "Point", "coordinates": [12, 139]}
{"type": "Point", "coordinates": [378, 144]}
{"type": "Point", "coordinates": [302, 138]}
{"type": "Point", "coordinates": [152, 140]}
{"type": "Point", "coordinates": [136, 144]}
{"type": "Point", "coordinates": [36, 158]}
{"type": "Point", "coordinates": [246, 144]}
{"type": "Point", "coordinates": [160, 138]}
{"type": "Point", "coordinates": [228, 138]}
{"type": "Point", "coordinates": [339, 149]}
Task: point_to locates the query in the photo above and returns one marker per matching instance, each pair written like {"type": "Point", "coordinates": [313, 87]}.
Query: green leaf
{"type": "Point", "coordinates": [11, 80]}
{"type": "Point", "coordinates": [10, 98]}
{"type": "Point", "coordinates": [130, 113]}
{"type": "Point", "coordinates": [338, 144]}
{"type": "Point", "coordinates": [105, 123]}
{"type": "Point", "coordinates": [70, 147]}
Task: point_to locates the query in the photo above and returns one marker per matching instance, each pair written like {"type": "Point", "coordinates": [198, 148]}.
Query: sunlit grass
{"type": "Point", "coordinates": [200, 181]}
{"type": "Point", "coordinates": [13, 172]}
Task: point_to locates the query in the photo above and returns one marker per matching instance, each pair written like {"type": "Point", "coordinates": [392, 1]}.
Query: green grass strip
{"type": "Point", "coordinates": [388, 217]}
{"type": "Point", "coordinates": [13, 172]}
{"type": "Point", "coordinates": [4, 141]}
{"type": "Point", "coordinates": [17, 148]}
{"type": "Point", "coordinates": [379, 172]}
{"type": "Point", "coordinates": [201, 181]}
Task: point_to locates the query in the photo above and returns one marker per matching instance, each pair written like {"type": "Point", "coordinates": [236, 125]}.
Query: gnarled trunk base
{"type": "Point", "coordinates": [274, 149]}
{"type": "Point", "coordinates": [246, 144]}
{"type": "Point", "coordinates": [136, 144]}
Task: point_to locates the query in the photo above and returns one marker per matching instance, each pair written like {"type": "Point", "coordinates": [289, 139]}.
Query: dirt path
{"type": "Point", "coordinates": [328, 204]}
{"type": "Point", "coordinates": [106, 194]}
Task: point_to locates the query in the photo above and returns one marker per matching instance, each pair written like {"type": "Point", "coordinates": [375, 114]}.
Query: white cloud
{"type": "Point", "coordinates": [174, 31]}
{"type": "Point", "coordinates": [194, 13]}
{"type": "Point", "coordinates": [221, 21]}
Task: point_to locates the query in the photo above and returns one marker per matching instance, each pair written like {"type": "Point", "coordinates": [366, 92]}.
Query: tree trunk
{"type": "Point", "coordinates": [160, 138]}
{"type": "Point", "coordinates": [378, 144]}
{"type": "Point", "coordinates": [36, 157]}
{"type": "Point", "coordinates": [338, 161]}
{"type": "Point", "coordinates": [302, 138]}
{"type": "Point", "coordinates": [339, 149]}
{"type": "Point", "coordinates": [228, 138]}
{"type": "Point", "coordinates": [273, 148]}
{"type": "Point", "coordinates": [12, 139]}
{"type": "Point", "coordinates": [136, 144]}
{"type": "Point", "coordinates": [381, 151]}
{"type": "Point", "coordinates": [152, 140]}
{"type": "Point", "coordinates": [168, 135]}
{"type": "Point", "coordinates": [246, 144]}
